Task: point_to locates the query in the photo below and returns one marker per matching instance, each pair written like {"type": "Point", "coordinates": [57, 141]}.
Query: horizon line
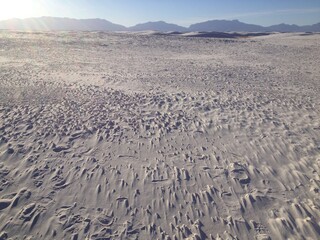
{"type": "Point", "coordinates": [154, 21]}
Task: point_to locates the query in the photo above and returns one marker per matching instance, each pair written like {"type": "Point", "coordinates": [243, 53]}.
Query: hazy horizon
{"type": "Point", "coordinates": [183, 13]}
{"type": "Point", "coordinates": [160, 20]}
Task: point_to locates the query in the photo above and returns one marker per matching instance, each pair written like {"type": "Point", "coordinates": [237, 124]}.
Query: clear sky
{"type": "Point", "coordinates": [182, 12]}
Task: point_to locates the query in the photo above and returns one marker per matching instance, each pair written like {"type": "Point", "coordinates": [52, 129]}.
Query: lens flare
{"type": "Point", "coordinates": [20, 8]}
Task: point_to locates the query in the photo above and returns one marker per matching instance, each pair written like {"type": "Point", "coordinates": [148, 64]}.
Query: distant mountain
{"type": "Point", "coordinates": [294, 28]}
{"type": "Point", "coordinates": [237, 26]}
{"type": "Point", "coordinates": [284, 28]}
{"type": "Point", "coordinates": [312, 28]}
{"type": "Point", "coordinates": [160, 26]}
{"type": "Point", "coordinates": [62, 24]}
{"type": "Point", "coordinates": [69, 24]}
{"type": "Point", "coordinates": [225, 26]}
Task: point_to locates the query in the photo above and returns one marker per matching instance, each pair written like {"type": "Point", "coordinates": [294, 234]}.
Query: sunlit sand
{"type": "Point", "coordinates": [148, 136]}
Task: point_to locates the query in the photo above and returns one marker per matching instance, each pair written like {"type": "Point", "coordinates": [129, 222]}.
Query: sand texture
{"type": "Point", "coordinates": [155, 136]}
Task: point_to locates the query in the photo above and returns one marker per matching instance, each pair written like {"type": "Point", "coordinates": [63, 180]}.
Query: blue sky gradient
{"type": "Point", "coordinates": [182, 12]}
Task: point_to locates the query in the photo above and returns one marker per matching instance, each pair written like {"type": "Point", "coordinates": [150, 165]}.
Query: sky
{"type": "Point", "coordinates": [182, 12]}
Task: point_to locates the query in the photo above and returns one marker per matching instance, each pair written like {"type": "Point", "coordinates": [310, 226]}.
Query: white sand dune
{"type": "Point", "coordinates": [143, 136]}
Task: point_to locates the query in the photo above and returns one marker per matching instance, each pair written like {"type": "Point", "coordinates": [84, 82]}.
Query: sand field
{"type": "Point", "coordinates": [148, 136]}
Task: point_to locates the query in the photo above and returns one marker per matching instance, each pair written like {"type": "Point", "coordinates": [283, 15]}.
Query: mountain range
{"type": "Point", "coordinates": [69, 24]}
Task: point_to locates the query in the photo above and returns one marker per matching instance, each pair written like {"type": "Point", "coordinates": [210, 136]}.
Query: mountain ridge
{"type": "Point", "coordinates": [161, 26]}
{"type": "Point", "coordinates": [54, 23]}
{"type": "Point", "coordinates": [98, 24]}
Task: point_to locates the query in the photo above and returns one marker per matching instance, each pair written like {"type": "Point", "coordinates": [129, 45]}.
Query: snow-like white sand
{"type": "Point", "coordinates": [146, 136]}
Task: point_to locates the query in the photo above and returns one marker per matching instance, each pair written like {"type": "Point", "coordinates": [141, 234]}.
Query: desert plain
{"type": "Point", "coordinates": [159, 136]}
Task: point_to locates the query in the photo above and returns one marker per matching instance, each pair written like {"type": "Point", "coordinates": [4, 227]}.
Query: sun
{"type": "Point", "coordinates": [20, 8]}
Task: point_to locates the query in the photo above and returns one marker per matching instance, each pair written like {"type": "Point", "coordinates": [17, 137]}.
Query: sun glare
{"type": "Point", "coordinates": [20, 8]}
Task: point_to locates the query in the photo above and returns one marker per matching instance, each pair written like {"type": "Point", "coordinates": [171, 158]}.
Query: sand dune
{"type": "Point", "coordinates": [143, 136]}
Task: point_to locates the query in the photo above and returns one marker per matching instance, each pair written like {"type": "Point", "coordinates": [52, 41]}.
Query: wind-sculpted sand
{"type": "Point", "coordinates": [144, 136]}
